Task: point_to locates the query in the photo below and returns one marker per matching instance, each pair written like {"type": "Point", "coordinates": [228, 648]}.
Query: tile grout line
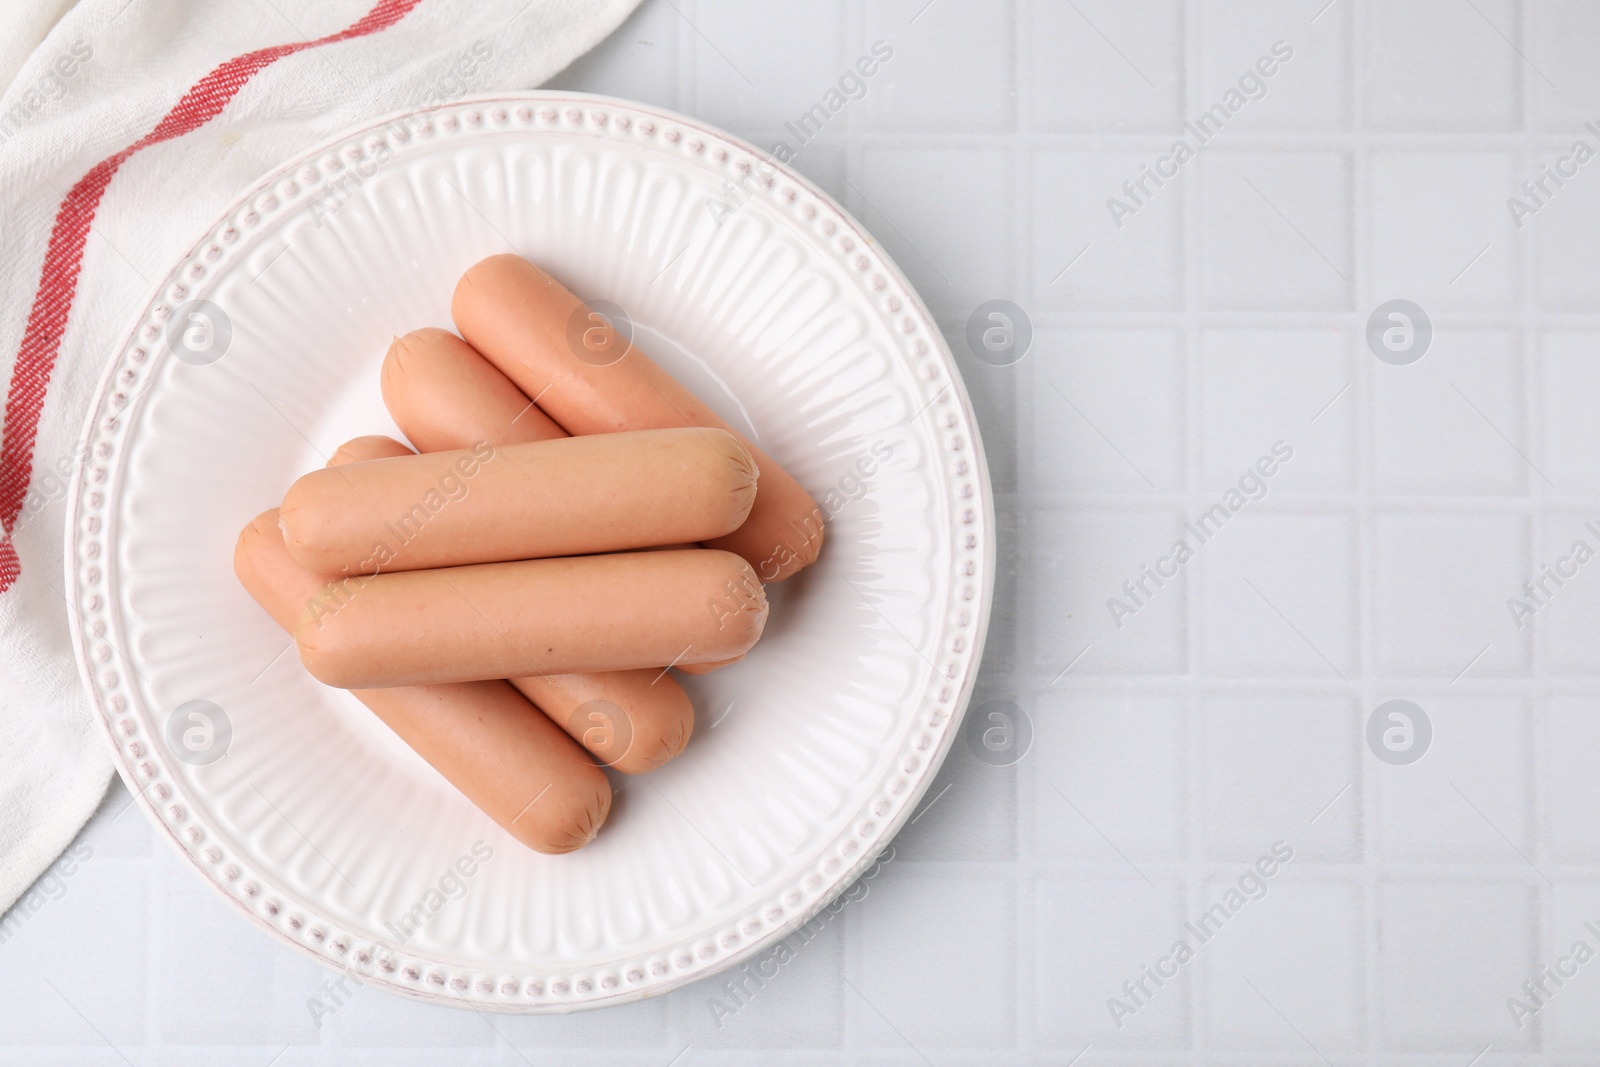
{"type": "Point", "coordinates": [1546, 1034]}
{"type": "Point", "coordinates": [1299, 502]}
{"type": "Point", "coordinates": [1362, 296]}
{"type": "Point", "coordinates": [1262, 138]}
{"type": "Point", "coordinates": [1246, 318]}
{"type": "Point", "coordinates": [1194, 884]}
{"type": "Point", "coordinates": [155, 908]}
{"type": "Point", "coordinates": [1024, 889]}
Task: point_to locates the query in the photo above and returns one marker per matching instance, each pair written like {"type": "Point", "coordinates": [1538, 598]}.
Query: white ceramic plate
{"type": "Point", "coordinates": [318, 823]}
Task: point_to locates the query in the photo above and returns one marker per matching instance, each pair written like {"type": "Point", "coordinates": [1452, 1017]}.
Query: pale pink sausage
{"type": "Point", "coordinates": [631, 721]}
{"type": "Point", "coordinates": [372, 446]}
{"type": "Point", "coordinates": [482, 736]}
{"type": "Point", "coordinates": [589, 380]}
{"type": "Point", "coordinates": [570, 496]}
{"type": "Point", "coordinates": [576, 614]}
{"type": "Point", "coordinates": [707, 668]}
{"type": "Point", "coordinates": [444, 395]}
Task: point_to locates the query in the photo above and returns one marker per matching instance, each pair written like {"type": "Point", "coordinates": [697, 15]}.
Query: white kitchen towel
{"type": "Point", "coordinates": [23, 24]}
{"type": "Point", "coordinates": [128, 129]}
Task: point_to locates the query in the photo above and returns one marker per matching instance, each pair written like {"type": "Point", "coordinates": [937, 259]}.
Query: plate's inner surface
{"type": "Point", "coordinates": [760, 319]}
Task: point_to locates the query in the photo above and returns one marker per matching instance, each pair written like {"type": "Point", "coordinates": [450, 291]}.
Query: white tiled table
{"type": "Point", "coordinates": [1228, 713]}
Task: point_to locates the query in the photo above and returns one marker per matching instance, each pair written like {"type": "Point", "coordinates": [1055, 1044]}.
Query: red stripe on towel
{"type": "Point", "coordinates": [58, 281]}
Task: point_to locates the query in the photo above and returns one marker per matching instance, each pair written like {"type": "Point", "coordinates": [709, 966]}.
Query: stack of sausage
{"type": "Point", "coordinates": [508, 598]}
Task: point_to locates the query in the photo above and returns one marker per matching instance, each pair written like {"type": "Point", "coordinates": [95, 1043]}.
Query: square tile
{"type": "Point", "coordinates": [1276, 230]}
{"type": "Point", "coordinates": [1469, 798]}
{"type": "Point", "coordinates": [1085, 257]}
{"type": "Point", "coordinates": [1261, 996]}
{"type": "Point", "coordinates": [1241, 41]}
{"type": "Point", "coordinates": [1110, 775]}
{"type": "Point", "coordinates": [1089, 613]}
{"type": "Point", "coordinates": [52, 995]}
{"type": "Point", "coordinates": [1485, 931]}
{"type": "Point", "coordinates": [786, 64]}
{"type": "Point", "coordinates": [1436, 65]}
{"type": "Point", "coordinates": [1279, 593]}
{"type": "Point", "coordinates": [946, 224]}
{"type": "Point", "coordinates": [823, 164]}
{"type": "Point", "coordinates": [1107, 411]}
{"type": "Point", "coordinates": [788, 997]}
{"type": "Point", "coordinates": [1563, 227]}
{"type": "Point", "coordinates": [251, 992]}
{"type": "Point", "coordinates": [639, 61]}
{"type": "Point", "coordinates": [931, 964]}
{"type": "Point", "coordinates": [118, 829]}
{"type": "Point", "coordinates": [1569, 380]}
{"type": "Point", "coordinates": [919, 88]}
{"type": "Point", "coordinates": [1559, 33]}
{"type": "Point", "coordinates": [1440, 584]}
{"type": "Point", "coordinates": [995, 395]}
{"type": "Point", "coordinates": [372, 1019]}
{"type": "Point", "coordinates": [1559, 602]}
{"type": "Point", "coordinates": [1265, 386]}
{"type": "Point", "coordinates": [969, 812]}
{"type": "Point", "coordinates": [1102, 65]}
{"type": "Point", "coordinates": [1307, 792]}
{"type": "Point", "coordinates": [1568, 1013]}
{"type": "Point", "coordinates": [1005, 666]}
{"type": "Point", "coordinates": [1091, 936]}
{"type": "Point", "coordinates": [1572, 729]}
{"type": "Point", "coordinates": [1452, 423]}
{"type": "Point", "coordinates": [641, 1025]}
{"type": "Point", "coordinates": [1441, 235]}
